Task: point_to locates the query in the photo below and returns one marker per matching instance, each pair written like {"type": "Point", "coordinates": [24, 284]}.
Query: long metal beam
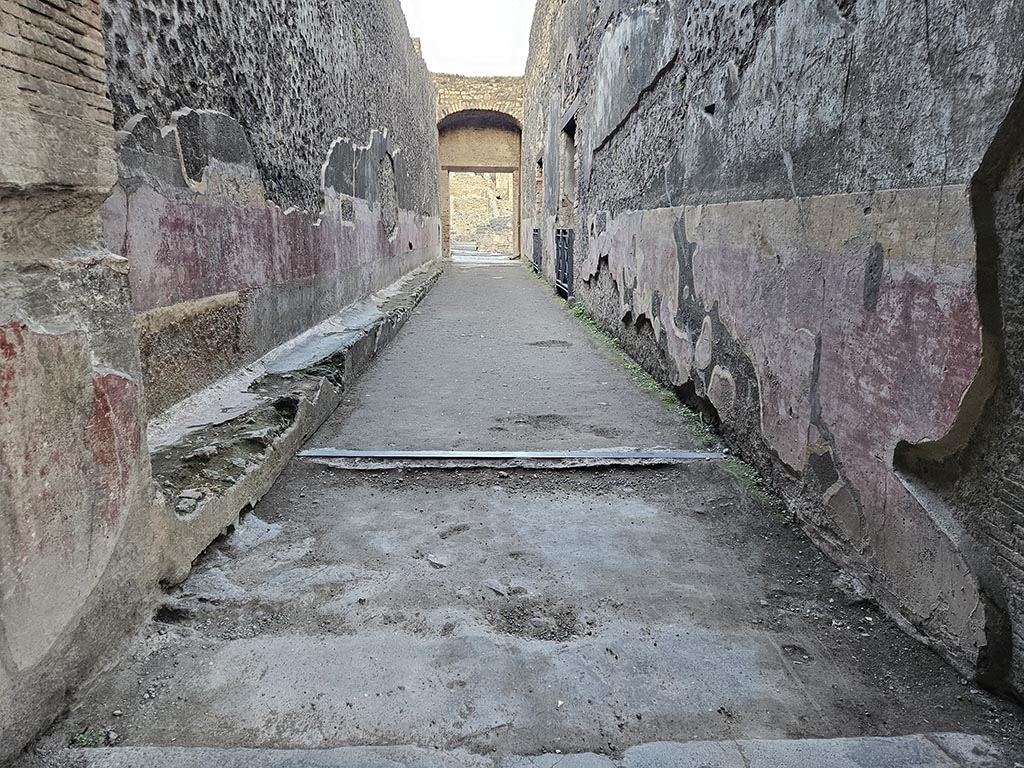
{"type": "Point", "coordinates": [333, 453]}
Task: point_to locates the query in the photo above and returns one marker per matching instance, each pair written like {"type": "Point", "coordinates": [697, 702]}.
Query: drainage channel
{"type": "Point", "coordinates": [555, 460]}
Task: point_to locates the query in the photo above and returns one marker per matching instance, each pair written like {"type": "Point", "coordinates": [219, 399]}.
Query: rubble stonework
{"type": "Point", "coordinates": [156, 240]}
{"type": "Point", "coordinates": [802, 249]}
{"type": "Point", "coordinates": [482, 210]}
{"type": "Point", "coordinates": [332, 70]}
{"type": "Point", "coordinates": [462, 93]}
{"type": "Point", "coordinates": [254, 207]}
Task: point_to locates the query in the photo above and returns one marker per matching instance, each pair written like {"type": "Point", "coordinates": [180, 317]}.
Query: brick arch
{"type": "Point", "coordinates": [479, 123]}
{"type": "Point", "coordinates": [458, 93]}
{"type": "Point", "coordinates": [479, 118]}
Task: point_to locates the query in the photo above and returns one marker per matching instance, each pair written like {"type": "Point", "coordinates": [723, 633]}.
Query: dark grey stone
{"type": "Point", "coordinates": [205, 135]}
{"type": "Point", "coordinates": [295, 75]}
{"type": "Point", "coordinates": [339, 168]}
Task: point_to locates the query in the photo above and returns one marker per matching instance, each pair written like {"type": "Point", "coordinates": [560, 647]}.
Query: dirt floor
{"type": "Point", "coordinates": [502, 613]}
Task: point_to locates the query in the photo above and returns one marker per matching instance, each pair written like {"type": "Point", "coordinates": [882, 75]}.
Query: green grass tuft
{"type": "Point", "coordinates": [90, 738]}
{"type": "Point", "coordinates": [758, 488]}
{"type": "Point", "coordinates": [754, 483]}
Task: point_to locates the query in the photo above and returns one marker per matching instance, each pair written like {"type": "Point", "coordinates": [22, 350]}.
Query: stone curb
{"type": "Point", "coordinates": [213, 471]}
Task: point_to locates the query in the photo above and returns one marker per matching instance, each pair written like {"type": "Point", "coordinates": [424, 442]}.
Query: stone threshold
{"type": "Point", "coordinates": [216, 453]}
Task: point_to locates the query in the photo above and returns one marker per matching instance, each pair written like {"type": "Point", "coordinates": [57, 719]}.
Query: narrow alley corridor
{"type": "Point", "coordinates": [347, 357]}
{"type": "Point", "coordinates": [646, 616]}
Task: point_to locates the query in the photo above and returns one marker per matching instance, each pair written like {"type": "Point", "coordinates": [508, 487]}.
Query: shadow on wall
{"type": "Point", "coordinates": [973, 479]}
{"type": "Point", "coordinates": [840, 305]}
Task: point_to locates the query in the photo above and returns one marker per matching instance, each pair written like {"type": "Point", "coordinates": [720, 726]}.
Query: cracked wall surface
{"type": "Point", "coordinates": [220, 273]}
{"type": "Point", "coordinates": [776, 215]}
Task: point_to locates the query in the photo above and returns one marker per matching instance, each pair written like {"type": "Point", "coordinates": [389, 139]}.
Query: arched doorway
{"type": "Point", "coordinates": [479, 141]}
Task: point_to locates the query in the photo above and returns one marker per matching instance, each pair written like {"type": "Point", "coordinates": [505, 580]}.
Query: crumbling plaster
{"type": "Point", "coordinates": [196, 236]}
{"type": "Point", "coordinates": [74, 471]}
{"type": "Point", "coordinates": [329, 70]}
{"type": "Point", "coordinates": [293, 165]}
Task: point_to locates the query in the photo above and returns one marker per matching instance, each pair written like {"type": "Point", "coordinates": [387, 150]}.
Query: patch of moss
{"type": "Point", "coordinates": [90, 738]}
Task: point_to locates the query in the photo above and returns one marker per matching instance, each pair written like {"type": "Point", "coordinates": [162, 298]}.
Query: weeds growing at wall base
{"type": "Point", "coordinates": [758, 488]}
{"type": "Point", "coordinates": [754, 483]}
{"type": "Point", "coordinates": [89, 738]}
{"type": "Point", "coordinates": [645, 380]}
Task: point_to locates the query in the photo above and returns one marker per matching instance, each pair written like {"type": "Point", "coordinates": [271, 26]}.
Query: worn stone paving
{"type": "Point", "coordinates": [640, 617]}
{"type": "Point", "coordinates": [490, 361]}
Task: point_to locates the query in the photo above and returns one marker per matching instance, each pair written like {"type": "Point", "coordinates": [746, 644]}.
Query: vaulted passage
{"type": "Point", "coordinates": [659, 407]}
{"type": "Point", "coordinates": [479, 127]}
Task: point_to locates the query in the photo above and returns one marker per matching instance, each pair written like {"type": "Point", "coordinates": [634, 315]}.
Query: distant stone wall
{"type": "Point", "coordinates": [800, 214]}
{"type": "Point", "coordinates": [252, 206]}
{"type": "Point", "coordinates": [482, 210]}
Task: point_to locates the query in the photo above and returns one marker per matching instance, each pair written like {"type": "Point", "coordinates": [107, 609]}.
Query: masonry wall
{"type": "Point", "coordinates": [778, 212]}
{"type": "Point", "coordinates": [75, 494]}
{"type": "Point", "coordinates": [276, 164]}
{"type": "Point", "coordinates": [461, 93]}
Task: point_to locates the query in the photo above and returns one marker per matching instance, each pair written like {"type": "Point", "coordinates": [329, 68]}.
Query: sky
{"type": "Point", "coordinates": [472, 37]}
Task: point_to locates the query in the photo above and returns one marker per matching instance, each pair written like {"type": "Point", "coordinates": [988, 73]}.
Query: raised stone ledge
{"type": "Point", "coordinates": [219, 451]}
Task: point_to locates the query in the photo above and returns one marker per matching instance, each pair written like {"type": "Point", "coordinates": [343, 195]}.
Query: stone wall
{"type": "Point", "coordinates": [143, 255]}
{"type": "Point", "coordinates": [276, 164]}
{"type": "Point", "coordinates": [777, 210]}
{"type": "Point", "coordinates": [482, 210]}
{"type": "Point", "coordinates": [294, 75]}
{"type": "Point", "coordinates": [459, 93]}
